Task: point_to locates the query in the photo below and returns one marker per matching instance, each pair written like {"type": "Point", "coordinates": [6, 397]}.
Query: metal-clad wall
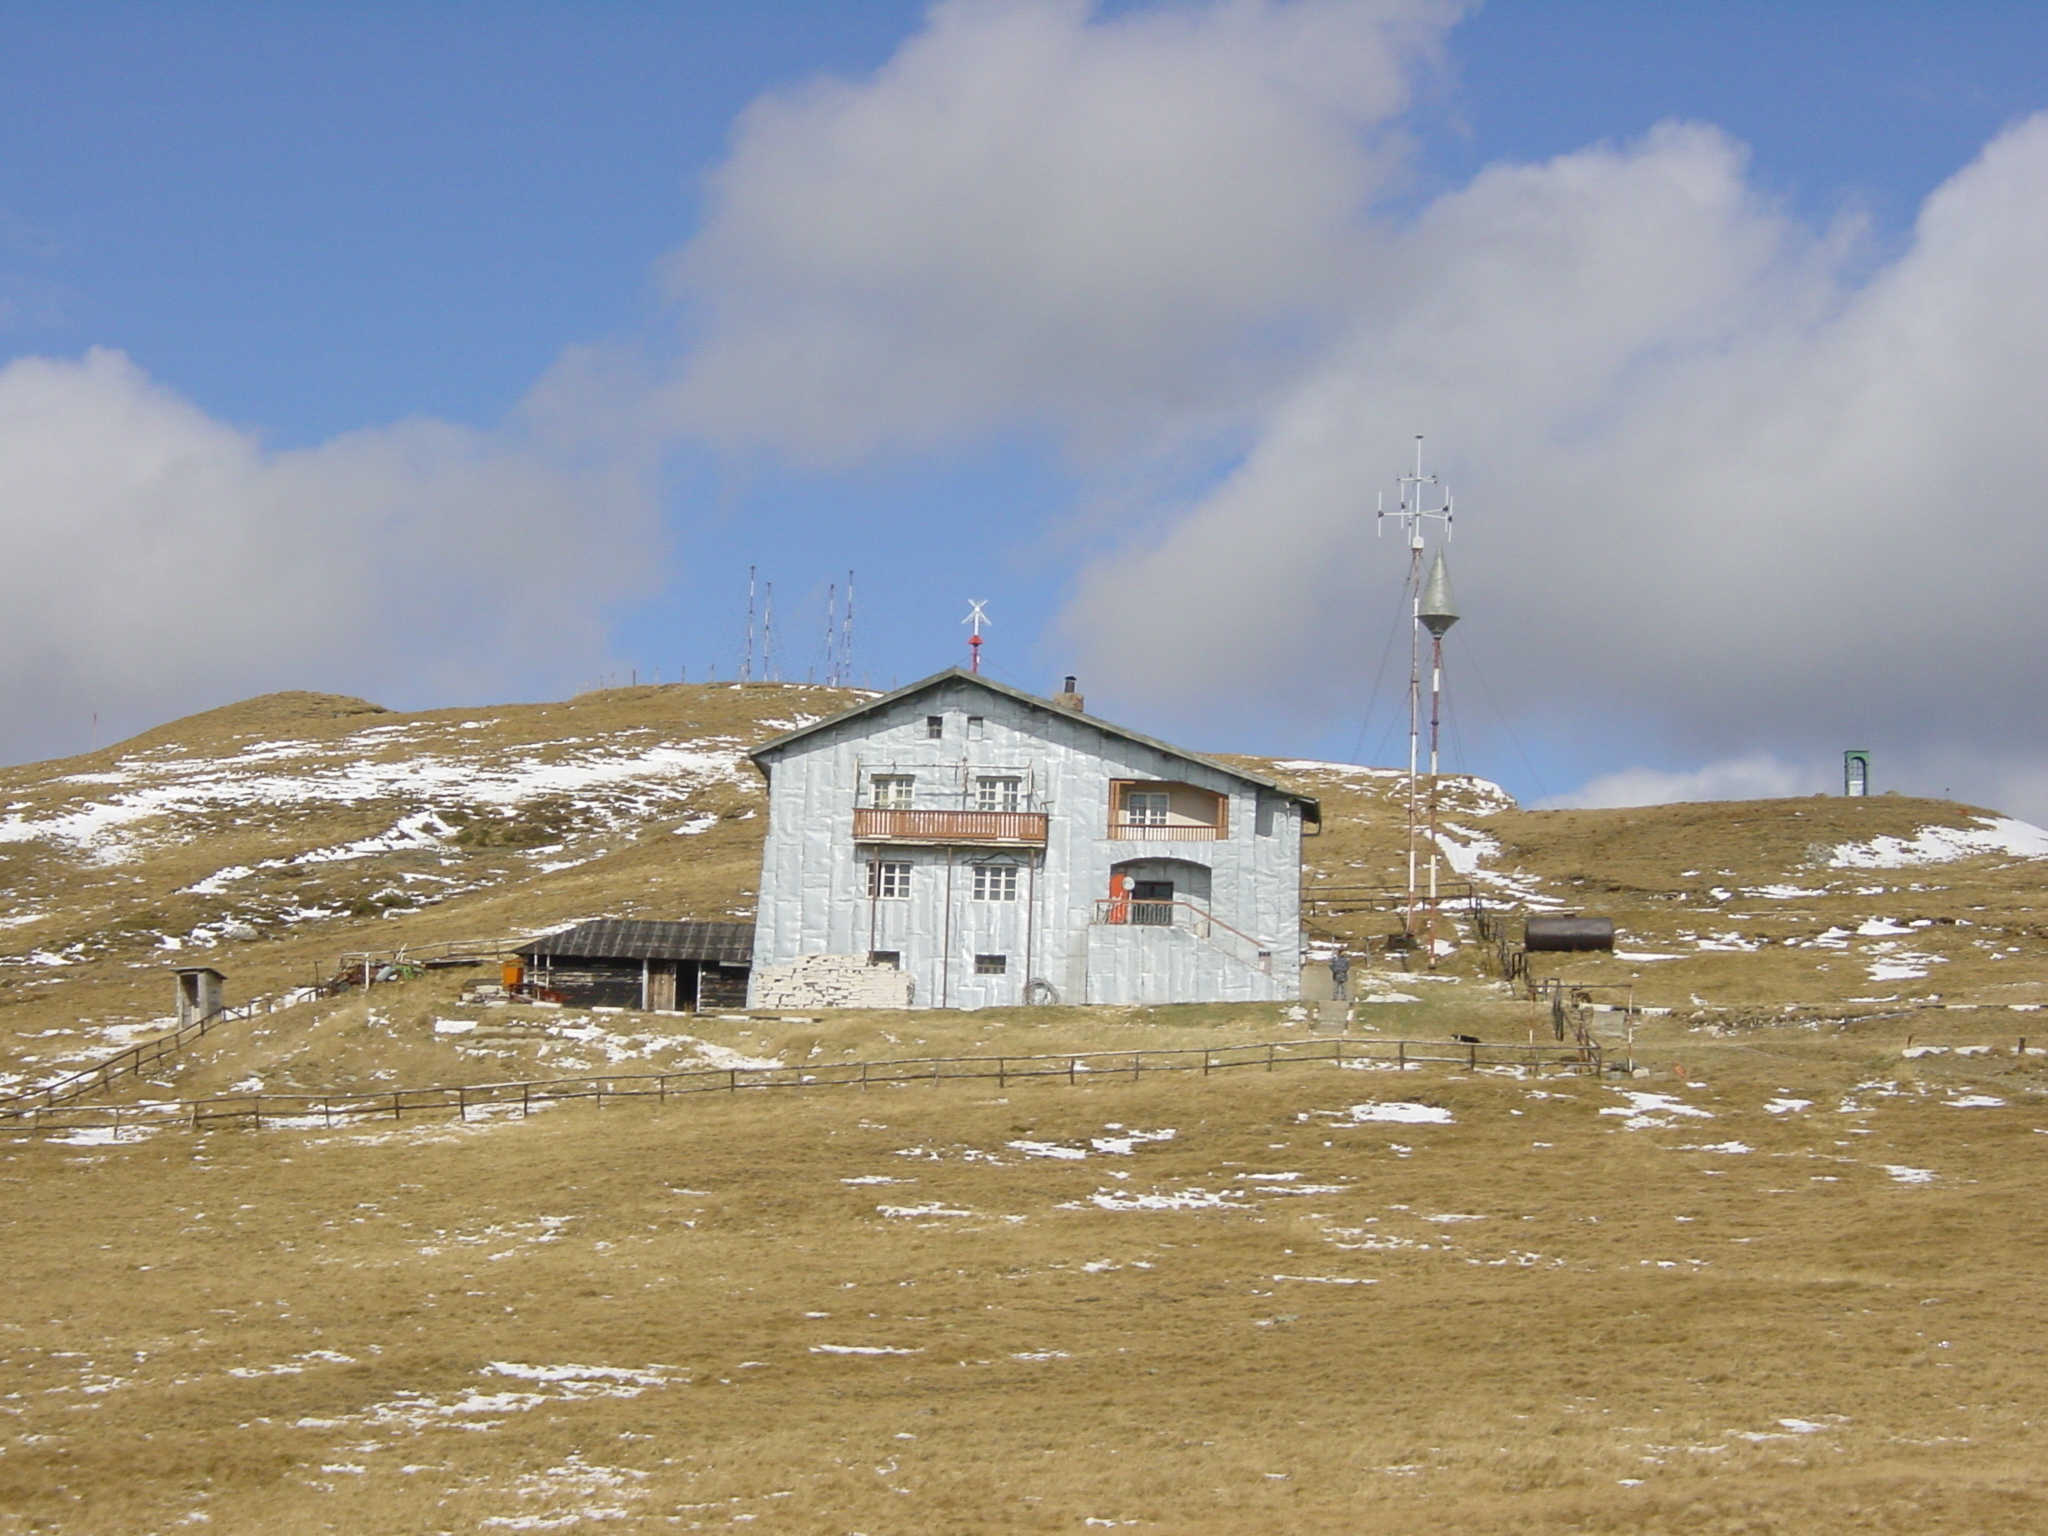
{"type": "Point", "coordinates": [814, 876]}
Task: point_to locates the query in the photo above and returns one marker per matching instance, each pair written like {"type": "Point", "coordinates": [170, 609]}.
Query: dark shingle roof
{"type": "Point", "coordinates": [609, 938]}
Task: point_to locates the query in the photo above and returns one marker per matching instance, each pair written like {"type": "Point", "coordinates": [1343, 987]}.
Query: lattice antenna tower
{"type": "Point", "coordinates": [747, 655]}
{"type": "Point", "coordinates": [1420, 500]}
{"type": "Point", "coordinates": [976, 616]}
{"type": "Point", "coordinates": [846, 637]}
{"type": "Point", "coordinates": [768, 669]}
{"type": "Point", "coordinates": [831, 634]}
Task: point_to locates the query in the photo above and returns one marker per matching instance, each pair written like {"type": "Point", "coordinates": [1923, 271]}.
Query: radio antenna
{"type": "Point", "coordinates": [1421, 500]}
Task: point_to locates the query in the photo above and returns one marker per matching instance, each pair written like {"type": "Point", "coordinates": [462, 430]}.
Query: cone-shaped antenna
{"type": "Point", "coordinates": [1438, 612]}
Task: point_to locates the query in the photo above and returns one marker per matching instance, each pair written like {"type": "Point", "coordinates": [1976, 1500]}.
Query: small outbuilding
{"type": "Point", "coordinates": [199, 993]}
{"type": "Point", "coordinates": [652, 966]}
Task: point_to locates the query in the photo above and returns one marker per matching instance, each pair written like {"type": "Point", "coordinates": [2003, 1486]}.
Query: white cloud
{"type": "Point", "coordinates": [160, 560]}
{"type": "Point", "coordinates": [1713, 489]}
{"type": "Point", "coordinates": [1035, 216]}
{"type": "Point", "coordinates": [1732, 489]}
{"type": "Point", "coordinates": [1743, 778]}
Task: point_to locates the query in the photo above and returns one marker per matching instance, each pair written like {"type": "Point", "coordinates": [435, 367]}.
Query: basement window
{"type": "Point", "coordinates": [886, 959]}
{"type": "Point", "coordinates": [991, 965]}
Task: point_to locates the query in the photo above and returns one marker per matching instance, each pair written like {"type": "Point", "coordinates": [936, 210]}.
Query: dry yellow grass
{"type": "Point", "coordinates": [720, 1312]}
{"type": "Point", "coordinates": [1709, 1309]}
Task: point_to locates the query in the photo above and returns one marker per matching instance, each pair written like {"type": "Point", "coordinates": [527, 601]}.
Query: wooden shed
{"type": "Point", "coordinates": [659, 967]}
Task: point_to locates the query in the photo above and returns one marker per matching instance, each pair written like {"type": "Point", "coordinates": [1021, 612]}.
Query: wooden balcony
{"type": "Point", "coordinates": [1165, 832]}
{"type": "Point", "coordinates": [1023, 829]}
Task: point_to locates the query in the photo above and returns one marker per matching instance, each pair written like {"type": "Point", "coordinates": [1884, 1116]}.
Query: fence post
{"type": "Point", "coordinates": [462, 1103]}
{"type": "Point", "coordinates": [1269, 1058]}
{"type": "Point", "coordinates": [1401, 1055]}
{"type": "Point", "coordinates": [1473, 1064]}
{"type": "Point", "coordinates": [525, 1101]}
{"type": "Point", "coordinates": [1073, 1065]}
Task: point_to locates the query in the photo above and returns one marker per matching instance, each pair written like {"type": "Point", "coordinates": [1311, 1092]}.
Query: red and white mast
{"type": "Point", "coordinates": [976, 617]}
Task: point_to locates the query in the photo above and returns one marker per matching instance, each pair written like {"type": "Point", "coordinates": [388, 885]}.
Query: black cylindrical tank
{"type": "Point", "coordinates": [1555, 933]}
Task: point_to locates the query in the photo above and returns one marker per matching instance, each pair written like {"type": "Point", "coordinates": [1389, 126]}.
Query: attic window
{"type": "Point", "coordinates": [935, 726]}
{"type": "Point", "coordinates": [976, 727]}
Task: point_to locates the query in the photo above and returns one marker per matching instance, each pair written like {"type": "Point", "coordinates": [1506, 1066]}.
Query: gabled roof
{"type": "Point", "coordinates": [775, 745]}
{"type": "Point", "coordinates": [608, 938]}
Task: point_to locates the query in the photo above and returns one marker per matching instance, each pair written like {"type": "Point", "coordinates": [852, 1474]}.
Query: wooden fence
{"type": "Point", "coordinates": [522, 1098]}
{"type": "Point", "coordinates": [132, 1061]}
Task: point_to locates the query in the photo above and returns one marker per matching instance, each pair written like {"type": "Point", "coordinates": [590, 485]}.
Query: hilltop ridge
{"type": "Point", "coordinates": [272, 837]}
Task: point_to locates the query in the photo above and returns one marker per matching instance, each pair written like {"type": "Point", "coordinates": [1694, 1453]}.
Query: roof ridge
{"type": "Point", "coordinates": [961, 674]}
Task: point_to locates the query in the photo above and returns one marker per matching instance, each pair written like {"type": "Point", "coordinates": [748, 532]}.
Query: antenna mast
{"type": "Point", "coordinates": [747, 656]}
{"type": "Point", "coordinates": [1421, 499]}
{"type": "Point", "coordinates": [768, 633]}
{"type": "Point", "coordinates": [831, 634]}
{"type": "Point", "coordinates": [846, 638]}
{"type": "Point", "coordinates": [977, 618]}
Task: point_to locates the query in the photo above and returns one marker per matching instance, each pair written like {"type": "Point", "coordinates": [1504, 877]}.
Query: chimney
{"type": "Point", "coordinates": [1066, 698]}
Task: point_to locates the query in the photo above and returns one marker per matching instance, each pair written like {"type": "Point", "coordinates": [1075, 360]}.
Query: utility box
{"type": "Point", "coordinates": [199, 993]}
{"type": "Point", "coordinates": [1855, 774]}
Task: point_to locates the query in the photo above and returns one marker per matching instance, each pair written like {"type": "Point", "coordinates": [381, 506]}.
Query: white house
{"type": "Point", "coordinates": [962, 844]}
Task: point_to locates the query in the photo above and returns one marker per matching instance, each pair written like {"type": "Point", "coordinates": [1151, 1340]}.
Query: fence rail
{"type": "Point", "coordinates": [132, 1061]}
{"type": "Point", "coordinates": [488, 1099]}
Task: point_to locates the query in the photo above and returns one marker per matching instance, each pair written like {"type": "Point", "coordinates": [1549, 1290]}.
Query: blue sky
{"type": "Point", "coordinates": [305, 226]}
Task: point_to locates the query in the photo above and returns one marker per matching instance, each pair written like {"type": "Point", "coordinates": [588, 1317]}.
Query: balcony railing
{"type": "Point", "coordinates": [881, 826]}
{"type": "Point", "coordinates": [1163, 832]}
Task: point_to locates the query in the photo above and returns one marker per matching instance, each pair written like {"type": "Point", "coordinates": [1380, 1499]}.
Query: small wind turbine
{"type": "Point", "coordinates": [977, 616]}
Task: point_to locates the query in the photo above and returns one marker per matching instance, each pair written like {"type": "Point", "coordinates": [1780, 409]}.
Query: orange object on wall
{"type": "Point", "coordinates": [1120, 888]}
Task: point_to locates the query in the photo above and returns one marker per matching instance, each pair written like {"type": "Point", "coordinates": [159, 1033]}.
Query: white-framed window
{"type": "Point", "coordinates": [995, 882]}
{"type": "Point", "coordinates": [1146, 807]}
{"type": "Point", "coordinates": [977, 727]}
{"type": "Point", "coordinates": [1004, 792]}
{"type": "Point", "coordinates": [991, 965]}
{"type": "Point", "coordinates": [892, 791]}
{"type": "Point", "coordinates": [889, 881]}
{"type": "Point", "coordinates": [934, 727]}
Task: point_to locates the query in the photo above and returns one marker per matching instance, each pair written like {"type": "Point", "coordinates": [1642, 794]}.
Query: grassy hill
{"type": "Point", "coordinates": [1784, 1282]}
